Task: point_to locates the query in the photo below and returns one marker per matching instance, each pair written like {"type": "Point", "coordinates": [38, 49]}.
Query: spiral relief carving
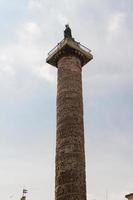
{"type": "Point", "coordinates": [70, 181]}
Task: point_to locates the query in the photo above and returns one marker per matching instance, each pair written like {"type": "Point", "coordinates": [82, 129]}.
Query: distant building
{"type": "Point", "coordinates": [129, 196]}
{"type": "Point", "coordinates": [23, 198]}
{"type": "Point", "coordinates": [24, 194]}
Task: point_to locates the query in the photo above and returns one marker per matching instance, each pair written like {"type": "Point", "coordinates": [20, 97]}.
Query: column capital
{"type": "Point", "coordinates": [68, 46]}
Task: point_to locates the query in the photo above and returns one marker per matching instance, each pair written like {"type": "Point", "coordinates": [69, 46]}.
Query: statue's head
{"type": "Point", "coordinates": [67, 25]}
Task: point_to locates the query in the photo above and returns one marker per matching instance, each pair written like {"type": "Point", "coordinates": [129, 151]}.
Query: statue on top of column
{"type": "Point", "coordinates": [67, 32]}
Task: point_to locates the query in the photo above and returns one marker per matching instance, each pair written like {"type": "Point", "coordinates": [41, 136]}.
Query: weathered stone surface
{"type": "Point", "coordinates": [70, 181]}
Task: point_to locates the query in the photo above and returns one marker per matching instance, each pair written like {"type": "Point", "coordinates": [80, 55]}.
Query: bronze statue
{"type": "Point", "coordinates": [67, 32]}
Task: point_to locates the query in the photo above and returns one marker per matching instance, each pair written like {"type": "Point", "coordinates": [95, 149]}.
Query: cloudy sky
{"type": "Point", "coordinates": [29, 30]}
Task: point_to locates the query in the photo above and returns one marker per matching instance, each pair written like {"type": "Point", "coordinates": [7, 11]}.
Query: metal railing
{"type": "Point", "coordinates": [77, 43]}
{"type": "Point", "coordinates": [56, 47]}
{"type": "Point", "coordinates": [84, 48]}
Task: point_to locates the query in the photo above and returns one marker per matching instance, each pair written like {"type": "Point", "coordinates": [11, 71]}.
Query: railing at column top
{"type": "Point", "coordinates": [77, 43]}
{"type": "Point", "coordinates": [56, 47]}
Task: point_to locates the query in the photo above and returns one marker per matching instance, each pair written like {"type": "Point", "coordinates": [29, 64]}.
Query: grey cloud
{"type": "Point", "coordinates": [28, 95]}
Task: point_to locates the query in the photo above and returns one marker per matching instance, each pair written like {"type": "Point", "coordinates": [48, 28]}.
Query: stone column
{"type": "Point", "coordinates": [70, 158]}
{"type": "Point", "coordinates": [70, 181]}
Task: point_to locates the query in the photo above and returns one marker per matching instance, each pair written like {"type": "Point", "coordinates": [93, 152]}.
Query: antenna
{"type": "Point", "coordinates": [106, 194]}
{"type": "Point", "coordinates": [24, 194]}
